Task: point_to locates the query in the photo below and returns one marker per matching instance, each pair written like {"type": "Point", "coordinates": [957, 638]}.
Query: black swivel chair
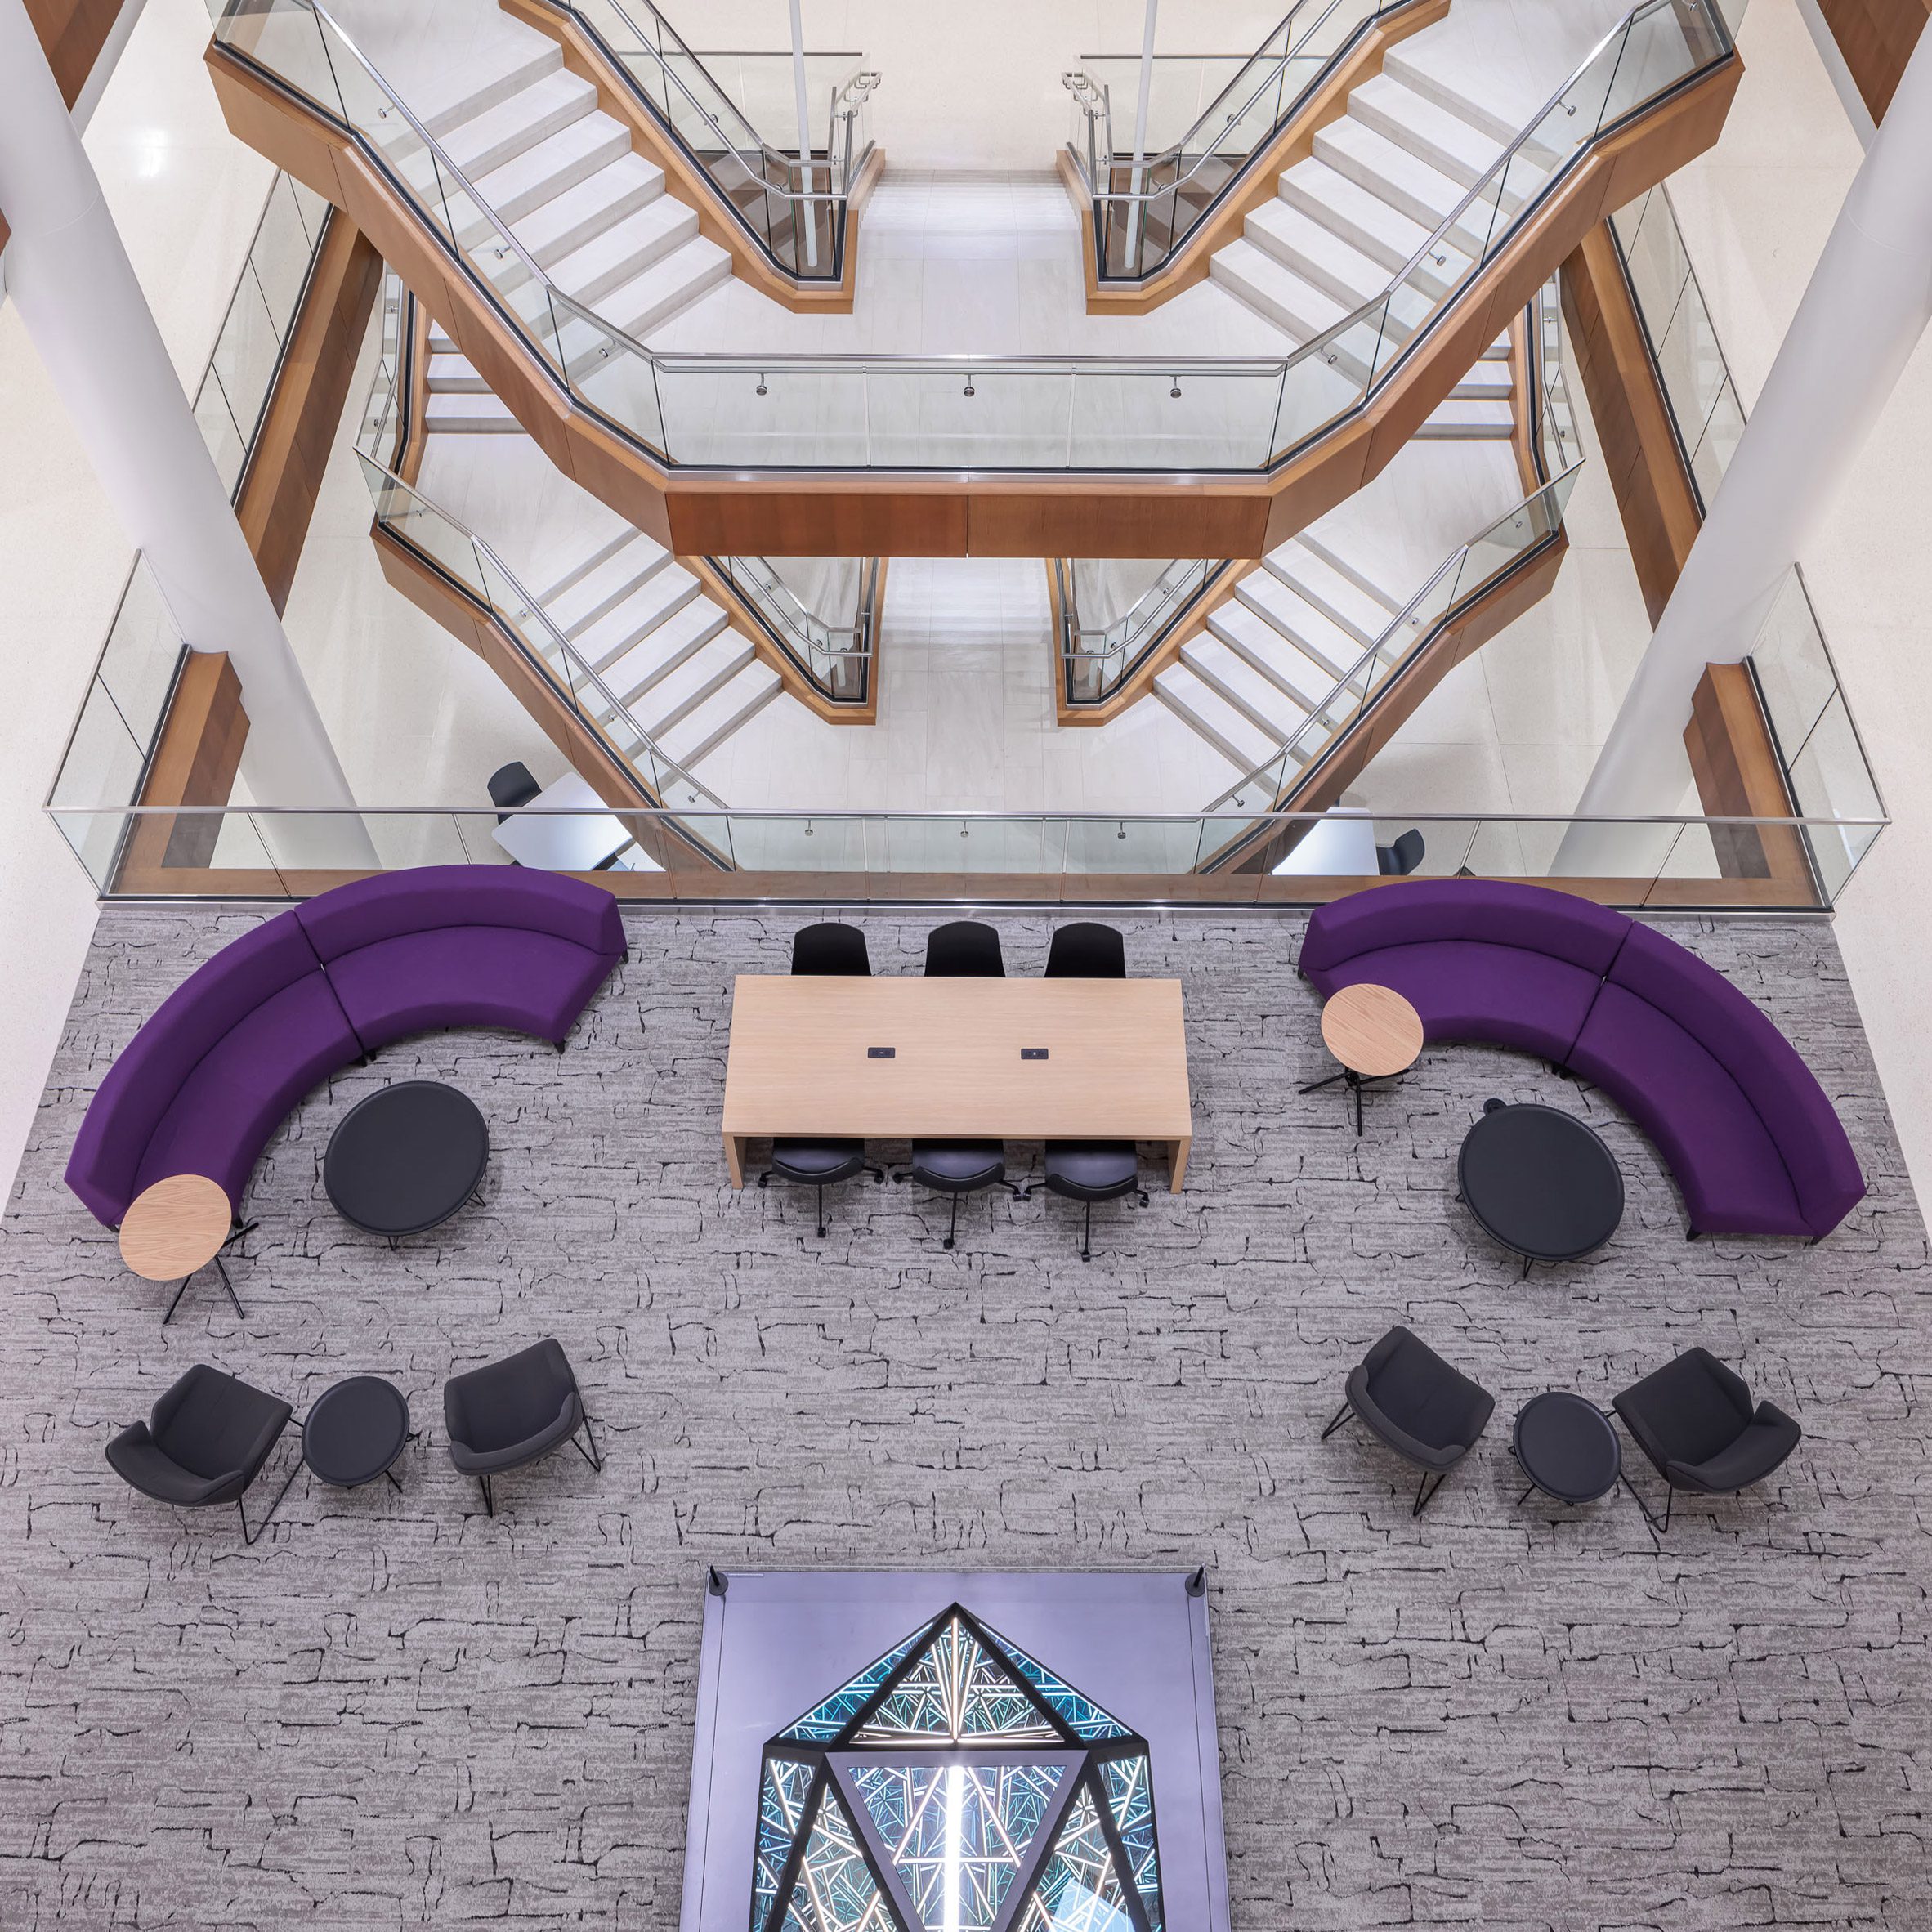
{"type": "Point", "coordinates": [964, 949]}
{"type": "Point", "coordinates": [1087, 950]}
{"type": "Point", "coordinates": [511, 786]}
{"type": "Point", "coordinates": [1695, 1420]}
{"type": "Point", "coordinates": [1399, 860]}
{"type": "Point", "coordinates": [957, 1167]}
{"type": "Point", "coordinates": [1429, 1413]}
{"type": "Point", "coordinates": [830, 948]}
{"type": "Point", "coordinates": [1089, 1171]}
{"type": "Point", "coordinates": [510, 1413]}
{"type": "Point", "coordinates": [204, 1444]}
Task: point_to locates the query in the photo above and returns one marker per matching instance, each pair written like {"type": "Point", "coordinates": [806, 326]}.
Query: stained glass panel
{"type": "Point", "coordinates": [823, 1723]}
{"type": "Point", "coordinates": [1129, 1788]}
{"type": "Point", "coordinates": [1079, 1890]}
{"type": "Point", "coordinates": [957, 1690]}
{"type": "Point", "coordinates": [1086, 1718]}
{"type": "Point", "coordinates": [836, 1891]}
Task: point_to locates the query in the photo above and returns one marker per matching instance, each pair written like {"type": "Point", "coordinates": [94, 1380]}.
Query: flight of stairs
{"type": "Point", "coordinates": [1348, 219]}
{"type": "Point", "coordinates": [665, 652]}
{"type": "Point", "coordinates": [1273, 653]}
{"type": "Point", "coordinates": [594, 215]}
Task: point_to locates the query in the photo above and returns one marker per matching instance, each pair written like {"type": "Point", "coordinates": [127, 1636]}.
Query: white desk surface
{"type": "Point", "coordinates": [1343, 846]}
{"type": "Point", "coordinates": [574, 844]}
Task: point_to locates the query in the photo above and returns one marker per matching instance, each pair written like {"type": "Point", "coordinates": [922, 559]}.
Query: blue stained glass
{"type": "Point", "coordinates": [1129, 1788]}
{"type": "Point", "coordinates": [822, 1724]}
{"type": "Point", "coordinates": [781, 1810]}
{"type": "Point", "coordinates": [1079, 1890]}
{"type": "Point", "coordinates": [957, 1690]}
{"type": "Point", "coordinates": [1085, 1717]}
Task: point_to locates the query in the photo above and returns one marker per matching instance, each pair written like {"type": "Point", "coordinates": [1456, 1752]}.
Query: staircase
{"type": "Point", "coordinates": [1351, 217]}
{"type": "Point", "coordinates": [560, 174]}
{"type": "Point", "coordinates": [665, 654]}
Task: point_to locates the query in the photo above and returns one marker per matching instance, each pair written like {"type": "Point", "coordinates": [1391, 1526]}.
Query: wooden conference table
{"type": "Point", "coordinates": [802, 1062]}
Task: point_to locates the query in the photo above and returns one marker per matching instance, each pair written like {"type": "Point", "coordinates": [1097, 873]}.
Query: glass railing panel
{"type": "Point", "coordinates": [247, 351]}
{"type": "Point", "coordinates": [1661, 46]}
{"type": "Point", "coordinates": [281, 253]}
{"type": "Point", "coordinates": [419, 523]}
{"type": "Point", "coordinates": [242, 844]}
{"type": "Point", "coordinates": [1831, 780]}
{"type": "Point", "coordinates": [1188, 418]}
{"type": "Point", "coordinates": [286, 38]}
{"type": "Point", "coordinates": [1794, 672]}
{"type": "Point", "coordinates": [803, 842]}
{"type": "Point", "coordinates": [227, 441]}
{"type": "Point", "coordinates": [1717, 442]}
{"type": "Point", "coordinates": [610, 372]}
{"type": "Point", "coordinates": [138, 663]}
{"type": "Point", "coordinates": [1691, 366]}
{"type": "Point", "coordinates": [782, 418]}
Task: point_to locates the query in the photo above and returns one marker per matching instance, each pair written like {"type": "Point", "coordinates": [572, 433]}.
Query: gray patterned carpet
{"type": "Point", "coordinates": [393, 1711]}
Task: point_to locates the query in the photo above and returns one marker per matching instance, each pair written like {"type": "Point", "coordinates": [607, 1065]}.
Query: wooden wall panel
{"type": "Point", "coordinates": [305, 413]}
{"type": "Point", "coordinates": [1876, 37]}
{"type": "Point", "coordinates": [195, 759]}
{"type": "Point", "coordinates": [1739, 777]}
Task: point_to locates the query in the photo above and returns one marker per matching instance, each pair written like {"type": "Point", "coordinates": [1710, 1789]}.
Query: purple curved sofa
{"type": "Point", "coordinates": [202, 1086]}
{"type": "Point", "coordinates": [1756, 1145]}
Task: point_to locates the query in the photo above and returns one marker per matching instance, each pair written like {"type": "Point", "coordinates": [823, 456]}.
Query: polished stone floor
{"type": "Point", "coordinates": [394, 1711]}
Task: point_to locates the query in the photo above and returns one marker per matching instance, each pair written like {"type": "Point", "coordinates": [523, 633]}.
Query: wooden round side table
{"type": "Point", "coordinates": [1374, 1032]}
{"type": "Point", "coordinates": [176, 1227]}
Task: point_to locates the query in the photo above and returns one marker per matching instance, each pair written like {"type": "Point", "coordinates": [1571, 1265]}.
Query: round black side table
{"type": "Point", "coordinates": [355, 1431]}
{"type": "Point", "coordinates": [1541, 1182]}
{"type": "Point", "coordinates": [404, 1159]}
{"type": "Point", "coordinates": [1567, 1448]}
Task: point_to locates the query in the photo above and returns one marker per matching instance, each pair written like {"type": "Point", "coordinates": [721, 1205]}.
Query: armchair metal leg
{"type": "Point", "coordinates": [1658, 1527]}
{"type": "Point", "coordinates": [1345, 1413]}
{"type": "Point", "coordinates": [249, 1535]}
{"type": "Point", "coordinates": [1423, 1501]}
{"type": "Point", "coordinates": [221, 1268]}
{"type": "Point", "coordinates": [593, 1456]}
{"type": "Point", "coordinates": [488, 1501]}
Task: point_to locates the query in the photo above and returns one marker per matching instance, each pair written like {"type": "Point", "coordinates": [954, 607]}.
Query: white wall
{"type": "Point", "coordinates": [1004, 107]}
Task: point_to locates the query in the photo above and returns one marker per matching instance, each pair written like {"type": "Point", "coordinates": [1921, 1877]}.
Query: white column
{"type": "Point", "coordinates": [1139, 213]}
{"type": "Point", "coordinates": [83, 306]}
{"type": "Point", "coordinates": [808, 211]}
{"type": "Point", "coordinates": [1868, 304]}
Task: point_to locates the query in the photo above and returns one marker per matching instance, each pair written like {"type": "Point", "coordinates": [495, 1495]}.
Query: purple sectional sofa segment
{"type": "Point", "coordinates": [1751, 1136]}
{"type": "Point", "coordinates": [206, 1082]}
{"type": "Point", "coordinates": [464, 945]}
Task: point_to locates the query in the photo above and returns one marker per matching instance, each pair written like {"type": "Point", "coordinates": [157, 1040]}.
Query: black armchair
{"type": "Point", "coordinates": [516, 1411]}
{"type": "Point", "coordinates": [966, 949]}
{"type": "Point", "coordinates": [1694, 1419]}
{"type": "Point", "coordinates": [831, 947]}
{"type": "Point", "coordinates": [1399, 860]}
{"type": "Point", "coordinates": [511, 786]}
{"type": "Point", "coordinates": [1413, 1402]}
{"type": "Point", "coordinates": [204, 1443]}
{"type": "Point", "coordinates": [1086, 950]}
{"type": "Point", "coordinates": [957, 1167]}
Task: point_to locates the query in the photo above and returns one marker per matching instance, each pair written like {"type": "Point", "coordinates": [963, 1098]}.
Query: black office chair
{"type": "Point", "coordinates": [1429, 1413]}
{"type": "Point", "coordinates": [204, 1443]}
{"type": "Point", "coordinates": [829, 948]}
{"type": "Point", "coordinates": [511, 786]}
{"type": "Point", "coordinates": [957, 1167]}
{"type": "Point", "coordinates": [1089, 1171]}
{"type": "Point", "coordinates": [510, 1413]}
{"type": "Point", "coordinates": [819, 1163]}
{"type": "Point", "coordinates": [1399, 860]}
{"type": "Point", "coordinates": [1087, 950]}
{"type": "Point", "coordinates": [1695, 1420]}
{"type": "Point", "coordinates": [964, 949]}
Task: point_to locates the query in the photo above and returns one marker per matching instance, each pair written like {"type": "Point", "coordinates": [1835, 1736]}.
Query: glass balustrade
{"type": "Point", "coordinates": [821, 612]}
{"type": "Point", "coordinates": [1025, 414]}
{"type": "Point", "coordinates": [1102, 644]}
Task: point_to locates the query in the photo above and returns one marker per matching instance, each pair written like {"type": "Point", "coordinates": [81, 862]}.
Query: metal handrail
{"type": "Point", "coordinates": [532, 606]}
{"type": "Point", "coordinates": [1345, 685]}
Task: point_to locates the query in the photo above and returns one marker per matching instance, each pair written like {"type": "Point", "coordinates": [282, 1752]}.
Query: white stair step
{"type": "Point", "coordinates": [1303, 680]}
{"type": "Point", "coordinates": [696, 735]}
{"type": "Point", "coordinates": [452, 374]}
{"type": "Point", "coordinates": [664, 645]}
{"type": "Point", "coordinates": [1336, 595]}
{"type": "Point", "coordinates": [471, 415]}
{"type": "Point", "coordinates": [516, 68]}
{"type": "Point", "coordinates": [560, 162]}
{"type": "Point", "coordinates": [621, 536]}
{"type": "Point", "coordinates": [1333, 651]}
{"type": "Point", "coordinates": [513, 127]}
{"type": "Point", "coordinates": [1447, 142]}
{"type": "Point", "coordinates": [1238, 683]}
{"type": "Point", "coordinates": [1273, 291]}
{"type": "Point", "coordinates": [638, 644]}
{"type": "Point", "coordinates": [671, 699]}
{"type": "Point", "coordinates": [1315, 253]}
{"type": "Point", "coordinates": [667, 287]}
{"type": "Point", "coordinates": [1498, 351]}
{"type": "Point", "coordinates": [1360, 216]}
{"type": "Point", "coordinates": [576, 217]}
{"type": "Point", "coordinates": [1232, 733]}
{"type": "Point", "coordinates": [619, 578]}
{"type": "Point", "coordinates": [1454, 421]}
{"type": "Point", "coordinates": [1411, 67]}
{"type": "Point", "coordinates": [623, 252]}
{"type": "Point", "coordinates": [1488, 382]}
{"type": "Point", "coordinates": [1314, 540]}
{"type": "Point", "coordinates": [1410, 189]}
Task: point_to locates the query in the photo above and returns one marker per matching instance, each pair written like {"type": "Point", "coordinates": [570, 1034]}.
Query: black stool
{"type": "Point", "coordinates": [819, 1164]}
{"type": "Point", "coordinates": [957, 1167]}
{"type": "Point", "coordinates": [1090, 1171]}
